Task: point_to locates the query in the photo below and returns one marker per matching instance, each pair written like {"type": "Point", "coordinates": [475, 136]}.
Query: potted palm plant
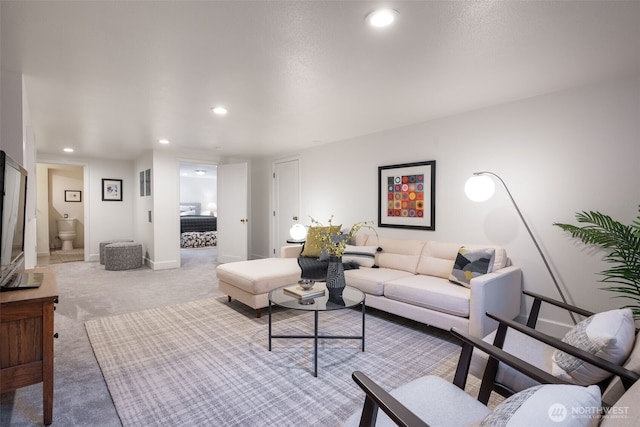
{"type": "Point", "coordinates": [622, 243]}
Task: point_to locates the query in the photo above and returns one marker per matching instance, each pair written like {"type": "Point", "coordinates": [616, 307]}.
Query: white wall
{"type": "Point", "coordinates": [560, 153]}
{"type": "Point", "coordinates": [199, 190]}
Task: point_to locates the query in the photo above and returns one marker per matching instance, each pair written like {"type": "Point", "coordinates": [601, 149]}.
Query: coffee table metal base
{"type": "Point", "coordinates": [316, 337]}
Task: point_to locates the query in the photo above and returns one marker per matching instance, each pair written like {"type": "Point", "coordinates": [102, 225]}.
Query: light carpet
{"type": "Point", "coordinates": [207, 363]}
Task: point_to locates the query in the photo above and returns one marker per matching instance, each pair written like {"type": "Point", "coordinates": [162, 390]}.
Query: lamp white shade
{"type": "Point", "coordinates": [479, 188]}
{"type": "Point", "coordinates": [298, 232]}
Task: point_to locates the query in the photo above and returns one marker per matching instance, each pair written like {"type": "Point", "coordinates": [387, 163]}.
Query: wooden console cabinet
{"type": "Point", "coordinates": [26, 339]}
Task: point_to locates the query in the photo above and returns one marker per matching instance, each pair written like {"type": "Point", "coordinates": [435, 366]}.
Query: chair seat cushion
{"type": "Point", "coordinates": [434, 400]}
{"type": "Point", "coordinates": [523, 347]}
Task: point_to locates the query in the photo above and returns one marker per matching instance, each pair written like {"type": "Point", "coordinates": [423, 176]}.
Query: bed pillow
{"type": "Point", "coordinates": [364, 256]}
{"type": "Point", "coordinates": [548, 405]}
{"type": "Point", "coordinates": [313, 244]}
{"type": "Point", "coordinates": [609, 335]}
{"type": "Point", "coordinates": [471, 263]}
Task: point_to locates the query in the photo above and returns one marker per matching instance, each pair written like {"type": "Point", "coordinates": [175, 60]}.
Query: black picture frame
{"type": "Point", "coordinates": [141, 183]}
{"type": "Point", "coordinates": [407, 195]}
{"type": "Point", "coordinates": [72, 195]}
{"type": "Point", "coordinates": [111, 190]}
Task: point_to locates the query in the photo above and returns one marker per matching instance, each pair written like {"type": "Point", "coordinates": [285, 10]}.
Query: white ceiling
{"type": "Point", "coordinates": [111, 78]}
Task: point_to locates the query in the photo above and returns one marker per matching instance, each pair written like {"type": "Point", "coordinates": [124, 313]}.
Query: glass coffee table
{"type": "Point", "coordinates": [351, 297]}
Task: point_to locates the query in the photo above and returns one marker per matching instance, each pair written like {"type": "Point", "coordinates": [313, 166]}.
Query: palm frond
{"type": "Point", "coordinates": [623, 244]}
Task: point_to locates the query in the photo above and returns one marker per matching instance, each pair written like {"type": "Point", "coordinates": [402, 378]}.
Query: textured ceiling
{"type": "Point", "coordinates": [111, 78]}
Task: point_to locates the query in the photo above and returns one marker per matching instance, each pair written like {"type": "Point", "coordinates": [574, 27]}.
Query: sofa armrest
{"type": "Point", "coordinates": [499, 293]}
{"type": "Point", "coordinates": [290, 251]}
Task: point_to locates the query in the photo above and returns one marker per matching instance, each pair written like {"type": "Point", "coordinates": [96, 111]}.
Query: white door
{"type": "Point", "coordinates": [233, 221]}
{"type": "Point", "coordinates": [286, 203]}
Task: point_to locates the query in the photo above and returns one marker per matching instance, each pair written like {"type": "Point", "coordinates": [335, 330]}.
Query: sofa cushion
{"type": "Point", "coordinates": [437, 258]}
{"type": "Point", "coordinates": [364, 256]}
{"type": "Point", "coordinates": [313, 244]}
{"type": "Point", "coordinates": [429, 292]}
{"type": "Point", "coordinates": [371, 280]}
{"type": "Point", "coordinates": [609, 335]}
{"type": "Point", "coordinates": [399, 254]}
{"type": "Point", "coordinates": [260, 276]}
{"type": "Point", "coordinates": [471, 263]}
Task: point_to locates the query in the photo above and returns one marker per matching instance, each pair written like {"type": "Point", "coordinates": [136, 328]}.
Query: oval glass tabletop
{"type": "Point", "coordinates": [350, 297]}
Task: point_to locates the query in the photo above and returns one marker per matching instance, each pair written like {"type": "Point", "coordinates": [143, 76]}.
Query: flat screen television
{"type": "Point", "coordinates": [13, 182]}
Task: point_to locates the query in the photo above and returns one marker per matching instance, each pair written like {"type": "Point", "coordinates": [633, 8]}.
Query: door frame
{"type": "Point", "coordinates": [272, 203]}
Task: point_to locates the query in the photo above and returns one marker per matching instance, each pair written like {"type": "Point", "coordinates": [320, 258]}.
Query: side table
{"type": "Point", "coordinates": [26, 339]}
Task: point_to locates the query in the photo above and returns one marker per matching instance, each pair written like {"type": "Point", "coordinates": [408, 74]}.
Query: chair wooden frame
{"type": "Point", "coordinates": [489, 383]}
{"type": "Point", "coordinates": [377, 398]}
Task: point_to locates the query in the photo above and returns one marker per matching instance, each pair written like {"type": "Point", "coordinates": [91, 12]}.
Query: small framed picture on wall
{"type": "Point", "coordinates": [72, 195]}
{"type": "Point", "coordinates": [111, 190]}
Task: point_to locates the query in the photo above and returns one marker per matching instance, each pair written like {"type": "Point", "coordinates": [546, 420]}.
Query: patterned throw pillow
{"type": "Point", "coordinates": [545, 405]}
{"type": "Point", "coordinates": [364, 256]}
{"type": "Point", "coordinates": [313, 244]}
{"type": "Point", "coordinates": [470, 264]}
{"type": "Point", "coordinates": [609, 335]}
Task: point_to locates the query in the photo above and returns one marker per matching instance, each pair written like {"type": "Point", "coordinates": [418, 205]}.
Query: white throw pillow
{"type": "Point", "coordinates": [547, 405]}
{"type": "Point", "coordinates": [364, 256]}
{"type": "Point", "coordinates": [609, 335]}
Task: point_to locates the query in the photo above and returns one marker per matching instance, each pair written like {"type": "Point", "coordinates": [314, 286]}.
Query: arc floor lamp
{"type": "Point", "coordinates": [480, 187]}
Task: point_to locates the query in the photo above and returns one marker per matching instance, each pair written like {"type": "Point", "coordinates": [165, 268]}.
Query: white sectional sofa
{"type": "Point", "coordinates": [412, 281]}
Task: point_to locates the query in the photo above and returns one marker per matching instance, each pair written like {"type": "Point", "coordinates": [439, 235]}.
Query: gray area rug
{"type": "Point", "coordinates": [207, 363]}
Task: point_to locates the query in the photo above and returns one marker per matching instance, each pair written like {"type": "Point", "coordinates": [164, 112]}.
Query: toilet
{"type": "Point", "coordinates": [67, 232]}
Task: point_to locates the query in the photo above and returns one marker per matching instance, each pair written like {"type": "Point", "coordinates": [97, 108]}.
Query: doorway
{"type": "Point", "coordinates": [60, 196]}
{"type": "Point", "coordinates": [286, 201]}
{"type": "Point", "coordinates": [198, 210]}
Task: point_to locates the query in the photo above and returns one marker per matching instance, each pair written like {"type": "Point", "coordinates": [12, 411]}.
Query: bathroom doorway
{"type": "Point", "coordinates": [60, 209]}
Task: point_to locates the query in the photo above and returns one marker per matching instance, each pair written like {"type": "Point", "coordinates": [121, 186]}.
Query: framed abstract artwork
{"type": "Point", "coordinates": [407, 195]}
{"type": "Point", "coordinates": [111, 190]}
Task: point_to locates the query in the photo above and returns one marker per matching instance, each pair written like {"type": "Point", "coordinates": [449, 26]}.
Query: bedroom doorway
{"type": "Point", "coordinates": [198, 207]}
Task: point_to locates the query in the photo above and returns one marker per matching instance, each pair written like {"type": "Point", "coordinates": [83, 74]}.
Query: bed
{"type": "Point", "coordinates": [197, 231]}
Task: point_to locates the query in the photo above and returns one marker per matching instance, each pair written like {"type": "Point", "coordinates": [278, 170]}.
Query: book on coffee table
{"type": "Point", "coordinates": [298, 292]}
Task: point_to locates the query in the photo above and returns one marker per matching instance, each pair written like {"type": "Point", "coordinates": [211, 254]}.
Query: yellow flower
{"type": "Point", "coordinates": [336, 243]}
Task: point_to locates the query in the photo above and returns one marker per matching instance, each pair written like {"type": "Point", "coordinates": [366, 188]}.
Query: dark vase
{"type": "Point", "coordinates": [335, 276]}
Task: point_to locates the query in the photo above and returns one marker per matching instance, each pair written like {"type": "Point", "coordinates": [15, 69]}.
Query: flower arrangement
{"type": "Point", "coordinates": [335, 244]}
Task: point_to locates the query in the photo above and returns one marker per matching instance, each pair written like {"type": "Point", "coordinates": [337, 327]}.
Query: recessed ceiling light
{"type": "Point", "coordinates": [218, 148]}
{"type": "Point", "coordinates": [68, 150]}
{"type": "Point", "coordinates": [221, 111]}
{"type": "Point", "coordinates": [200, 172]}
{"type": "Point", "coordinates": [382, 17]}
{"type": "Point", "coordinates": [163, 141]}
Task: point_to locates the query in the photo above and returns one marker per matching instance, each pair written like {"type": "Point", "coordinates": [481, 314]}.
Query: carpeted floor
{"type": "Point", "coordinates": [207, 363]}
{"type": "Point", "coordinates": [88, 292]}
